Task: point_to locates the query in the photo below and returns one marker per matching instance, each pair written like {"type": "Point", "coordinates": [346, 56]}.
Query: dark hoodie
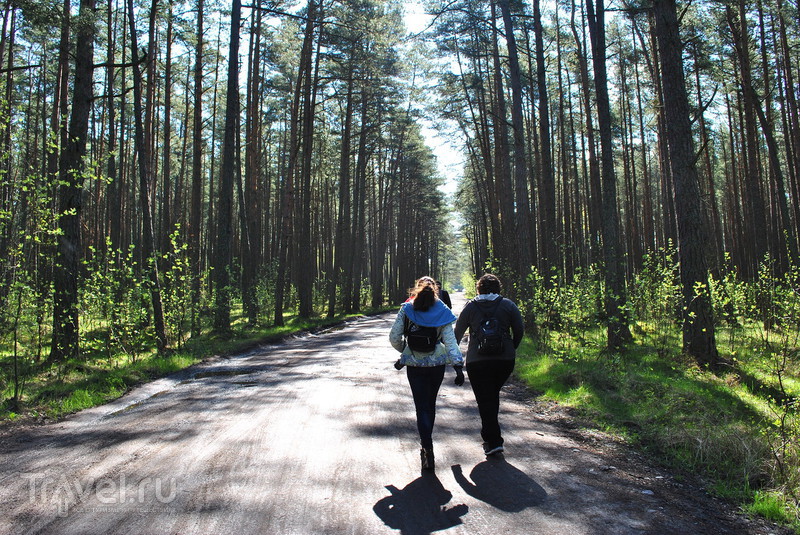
{"type": "Point", "coordinates": [510, 320]}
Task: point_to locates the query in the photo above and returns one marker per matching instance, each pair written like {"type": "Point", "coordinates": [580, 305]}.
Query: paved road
{"type": "Point", "coordinates": [315, 436]}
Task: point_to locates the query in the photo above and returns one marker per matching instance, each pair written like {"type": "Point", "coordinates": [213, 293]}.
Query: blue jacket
{"type": "Point", "coordinates": [446, 351]}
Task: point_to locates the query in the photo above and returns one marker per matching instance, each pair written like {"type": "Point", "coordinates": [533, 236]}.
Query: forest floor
{"type": "Point", "coordinates": [316, 434]}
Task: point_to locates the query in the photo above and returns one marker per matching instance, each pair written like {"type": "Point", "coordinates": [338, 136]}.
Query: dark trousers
{"type": "Point", "coordinates": [425, 383]}
{"type": "Point", "coordinates": [487, 377]}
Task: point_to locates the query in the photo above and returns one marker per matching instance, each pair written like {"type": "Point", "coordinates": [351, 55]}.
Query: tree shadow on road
{"type": "Point", "coordinates": [420, 508]}
{"type": "Point", "coordinates": [501, 485]}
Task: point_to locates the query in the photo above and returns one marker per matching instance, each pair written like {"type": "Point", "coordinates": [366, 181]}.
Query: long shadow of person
{"type": "Point", "coordinates": [501, 485]}
{"type": "Point", "coordinates": [419, 508]}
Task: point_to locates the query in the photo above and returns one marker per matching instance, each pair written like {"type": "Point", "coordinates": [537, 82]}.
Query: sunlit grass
{"type": "Point", "coordinates": [773, 506]}
{"type": "Point", "coordinates": [713, 424]}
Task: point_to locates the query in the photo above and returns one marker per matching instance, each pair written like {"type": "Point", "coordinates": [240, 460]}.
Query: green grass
{"type": "Point", "coordinates": [720, 425]}
{"type": "Point", "coordinates": [771, 506]}
{"type": "Point", "coordinates": [79, 385]}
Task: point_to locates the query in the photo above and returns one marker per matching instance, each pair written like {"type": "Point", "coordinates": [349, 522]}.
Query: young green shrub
{"type": "Point", "coordinates": [532, 301]}
{"type": "Point", "coordinates": [729, 299]}
{"type": "Point", "coordinates": [728, 295]}
{"type": "Point", "coordinates": [115, 301]}
{"type": "Point", "coordinates": [655, 298]}
{"type": "Point", "coordinates": [177, 290]}
{"type": "Point", "coordinates": [320, 296]}
{"type": "Point", "coordinates": [265, 292]}
{"type": "Point", "coordinates": [781, 349]}
{"type": "Point", "coordinates": [19, 329]}
{"type": "Point", "coordinates": [581, 303]}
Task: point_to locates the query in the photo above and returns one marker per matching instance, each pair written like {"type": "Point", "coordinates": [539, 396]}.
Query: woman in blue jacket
{"type": "Point", "coordinates": [426, 369]}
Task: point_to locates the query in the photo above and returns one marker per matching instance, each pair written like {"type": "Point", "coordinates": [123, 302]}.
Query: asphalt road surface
{"type": "Point", "coordinates": [316, 435]}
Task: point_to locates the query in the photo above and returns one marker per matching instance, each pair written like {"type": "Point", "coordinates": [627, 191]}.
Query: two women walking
{"type": "Point", "coordinates": [487, 372]}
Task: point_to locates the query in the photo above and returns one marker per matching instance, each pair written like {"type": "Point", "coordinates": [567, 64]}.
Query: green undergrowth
{"type": "Point", "coordinates": [53, 391]}
{"type": "Point", "coordinates": [729, 426]}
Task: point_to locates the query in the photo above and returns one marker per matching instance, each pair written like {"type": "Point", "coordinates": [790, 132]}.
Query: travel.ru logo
{"type": "Point", "coordinates": [103, 494]}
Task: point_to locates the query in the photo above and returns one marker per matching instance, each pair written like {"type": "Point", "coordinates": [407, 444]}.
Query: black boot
{"type": "Point", "coordinates": [426, 456]}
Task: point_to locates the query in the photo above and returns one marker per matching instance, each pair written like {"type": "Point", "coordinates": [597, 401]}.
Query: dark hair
{"type": "Point", "coordinates": [424, 294]}
{"type": "Point", "coordinates": [488, 284]}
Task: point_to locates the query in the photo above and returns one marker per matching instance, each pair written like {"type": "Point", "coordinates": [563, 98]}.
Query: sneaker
{"type": "Point", "coordinates": [488, 450]}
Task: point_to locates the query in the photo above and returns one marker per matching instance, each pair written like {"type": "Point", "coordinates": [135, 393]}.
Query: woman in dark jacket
{"type": "Point", "coordinates": [488, 372]}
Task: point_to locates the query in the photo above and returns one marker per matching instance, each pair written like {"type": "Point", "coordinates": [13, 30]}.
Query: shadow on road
{"type": "Point", "coordinates": [420, 508]}
{"type": "Point", "coordinates": [501, 485]}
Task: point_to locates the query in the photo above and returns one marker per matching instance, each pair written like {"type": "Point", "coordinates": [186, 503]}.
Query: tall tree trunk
{"type": "Point", "coordinates": [57, 135]}
{"type": "Point", "coordinates": [755, 216]}
{"type": "Point", "coordinates": [710, 191]}
{"type": "Point", "coordinates": [342, 245]}
{"type": "Point", "coordinates": [196, 202]}
{"type": "Point", "coordinates": [485, 182]}
{"type": "Point", "coordinates": [208, 256]}
{"type": "Point", "coordinates": [668, 234]}
{"type": "Point", "coordinates": [578, 248]}
{"type": "Point", "coordinates": [114, 194]}
{"type": "Point", "coordinates": [223, 253]}
{"type": "Point", "coordinates": [58, 123]}
{"type": "Point", "coordinates": [792, 128]}
{"type": "Point", "coordinates": [386, 192]}
{"type": "Point", "coordinates": [788, 238]}
{"type": "Point", "coordinates": [736, 207]}
{"type": "Point", "coordinates": [565, 162]}
{"type": "Point", "coordinates": [149, 95]}
{"type": "Point", "coordinates": [251, 235]}
{"type": "Point", "coordinates": [785, 233]}
{"type": "Point", "coordinates": [166, 167]}
{"type": "Point", "coordinates": [7, 186]}
{"type": "Point", "coordinates": [306, 265]}
{"type": "Point", "coordinates": [648, 229]}
{"type": "Point", "coordinates": [144, 161]}
{"type": "Point", "coordinates": [523, 219]}
{"type": "Point", "coordinates": [66, 272]}
{"type": "Point", "coordinates": [698, 321]}
{"type": "Point", "coordinates": [547, 186]}
{"type": "Point", "coordinates": [289, 191]}
{"type": "Point", "coordinates": [595, 196]}
{"type": "Point", "coordinates": [502, 243]}
{"type": "Point", "coordinates": [352, 287]}
{"type": "Point", "coordinates": [615, 298]}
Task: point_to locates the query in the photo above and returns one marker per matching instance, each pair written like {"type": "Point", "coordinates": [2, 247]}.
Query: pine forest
{"type": "Point", "coordinates": [176, 174]}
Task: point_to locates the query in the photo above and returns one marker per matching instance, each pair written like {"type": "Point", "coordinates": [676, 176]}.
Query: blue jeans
{"type": "Point", "coordinates": [425, 382]}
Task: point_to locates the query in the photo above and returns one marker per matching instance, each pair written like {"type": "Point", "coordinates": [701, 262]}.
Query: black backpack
{"type": "Point", "coordinates": [420, 338]}
{"type": "Point", "coordinates": [490, 334]}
